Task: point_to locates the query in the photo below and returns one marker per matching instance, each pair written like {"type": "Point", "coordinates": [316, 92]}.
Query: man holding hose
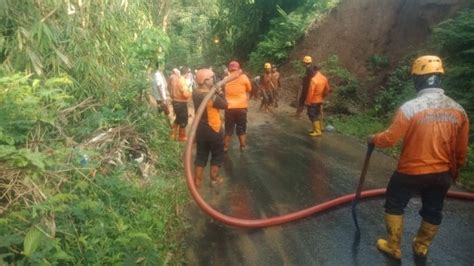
{"type": "Point", "coordinates": [435, 131]}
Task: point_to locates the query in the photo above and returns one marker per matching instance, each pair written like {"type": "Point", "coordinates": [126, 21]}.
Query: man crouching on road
{"type": "Point", "coordinates": [209, 134]}
{"type": "Point", "coordinates": [435, 132]}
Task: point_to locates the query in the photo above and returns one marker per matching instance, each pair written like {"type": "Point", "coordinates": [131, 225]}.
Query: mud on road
{"type": "Point", "coordinates": [283, 171]}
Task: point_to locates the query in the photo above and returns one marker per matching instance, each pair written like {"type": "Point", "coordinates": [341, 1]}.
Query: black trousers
{"type": "Point", "coordinates": [314, 111]}
{"type": "Point", "coordinates": [235, 119]}
{"type": "Point", "coordinates": [181, 111]}
{"type": "Point", "coordinates": [431, 187]}
{"type": "Point", "coordinates": [213, 147]}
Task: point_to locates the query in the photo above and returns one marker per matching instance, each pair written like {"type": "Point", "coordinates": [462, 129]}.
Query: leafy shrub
{"type": "Point", "coordinates": [285, 30]}
{"type": "Point", "coordinates": [398, 89]}
{"type": "Point", "coordinates": [344, 86]}
{"type": "Point", "coordinates": [377, 62]}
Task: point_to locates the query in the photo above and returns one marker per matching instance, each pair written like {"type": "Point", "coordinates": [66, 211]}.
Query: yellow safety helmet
{"type": "Point", "coordinates": [307, 59]}
{"type": "Point", "coordinates": [267, 66]}
{"type": "Point", "coordinates": [428, 64]}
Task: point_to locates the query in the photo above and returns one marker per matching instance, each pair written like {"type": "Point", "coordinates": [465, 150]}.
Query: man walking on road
{"type": "Point", "coordinates": [180, 95]}
{"type": "Point", "coordinates": [209, 134]}
{"type": "Point", "coordinates": [317, 91]}
{"type": "Point", "coordinates": [435, 131]}
{"type": "Point", "coordinates": [237, 95]}
{"type": "Point", "coordinates": [267, 88]}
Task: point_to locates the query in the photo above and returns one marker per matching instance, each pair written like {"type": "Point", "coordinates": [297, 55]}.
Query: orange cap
{"type": "Point", "coordinates": [203, 74]}
{"type": "Point", "coordinates": [234, 65]}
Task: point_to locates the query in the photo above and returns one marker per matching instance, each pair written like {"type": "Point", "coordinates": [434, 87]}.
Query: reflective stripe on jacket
{"type": "Point", "coordinates": [435, 132]}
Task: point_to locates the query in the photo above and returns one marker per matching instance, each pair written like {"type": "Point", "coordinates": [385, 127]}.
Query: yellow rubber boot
{"type": "Point", "coordinates": [316, 129]}
{"type": "Point", "coordinates": [423, 239]}
{"type": "Point", "coordinates": [391, 246]}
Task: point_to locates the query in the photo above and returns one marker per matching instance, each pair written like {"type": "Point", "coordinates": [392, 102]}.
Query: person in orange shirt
{"type": "Point", "coordinates": [180, 95]}
{"type": "Point", "coordinates": [267, 88]}
{"type": "Point", "coordinates": [435, 131]}
{"type": "Point", "coordinates": [209, 134]}
{"type": "Point", "coordinates": [236, 94]}
{"type": "Point", "coordinates": [317, 91]}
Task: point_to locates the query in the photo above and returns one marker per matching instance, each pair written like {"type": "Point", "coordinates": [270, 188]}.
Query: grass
{"type": "Point", "coordinates": [364, 124]}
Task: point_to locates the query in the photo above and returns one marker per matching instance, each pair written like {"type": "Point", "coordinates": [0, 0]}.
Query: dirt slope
{"type": "Point", "coordinates": [359, 29]}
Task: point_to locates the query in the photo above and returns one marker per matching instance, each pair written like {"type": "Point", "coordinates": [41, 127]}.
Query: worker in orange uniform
{"type": "Point", "coordinates": [435, 131]}
{"type": "Point", "coordinates": [236, 94]}
{"type": "Point", "coordinates": [317, 91]}
{"type": "Point", "coordinates": [276, 83]}
{"type": "Point", "coordinates": [303, 92]}
{"type": "Point", "coordinates": [180, 95]}
{"type": "Point", "coordinates": [209, 134]}
{"type": "Point", "coordinates": [267, 88]}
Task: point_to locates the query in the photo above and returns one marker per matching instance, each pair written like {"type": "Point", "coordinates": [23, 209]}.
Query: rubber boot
{"type": "Point", "coordinates": [182, 134]}
{"type": "Point", "coordinates": [174, 131]}
{"type": "Point", "coordinates": [391, 246]}
{"type": "Point", "coordinates": [227, 142]}
{"type": "Point", "coordinates": [423, 239]}
{"type": "Point", "coordinates": [216, 179]}
{"type": "Point", "coordinates": [243, 142]}
{"type": "Point", "coordinates": [316, 129]}
{"type": "Point", "coordinates": [198, 175]}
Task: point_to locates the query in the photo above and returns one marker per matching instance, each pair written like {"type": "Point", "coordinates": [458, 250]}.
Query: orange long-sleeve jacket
{"type": "Point", "coordinates": [178, 89]}
{"type": "Point", "coordinates": [435, 132]}
{"type": "Point", "coordinates": [236, 92]}
{"type": "Point", "coordinates": [318, 89]}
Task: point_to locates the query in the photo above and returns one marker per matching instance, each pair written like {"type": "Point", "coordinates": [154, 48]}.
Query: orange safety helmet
{"type": "Point", "coordinates": [234, 65]}
{"type": "Point", "coordinates": [307, 59]}
{"type": "Point", "coordinates": [267, 66]}
{"type": "Point", "coordinates": [428, 64]}
{"type": "Point", "coordinates": [203, 74]}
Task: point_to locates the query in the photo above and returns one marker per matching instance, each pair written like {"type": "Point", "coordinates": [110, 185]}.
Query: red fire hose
{"type": "Point", "coordinates": [267, 222]}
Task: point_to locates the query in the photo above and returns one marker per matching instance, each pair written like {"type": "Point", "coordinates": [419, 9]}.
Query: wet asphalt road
{"type": "Point", "coordinates": [284, 171]}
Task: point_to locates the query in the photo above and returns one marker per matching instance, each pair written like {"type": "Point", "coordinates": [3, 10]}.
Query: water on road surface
{"type": "Point", "coordinates": [284, 170]}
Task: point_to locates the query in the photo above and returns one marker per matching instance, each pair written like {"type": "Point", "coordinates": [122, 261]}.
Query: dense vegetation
{"type": "Point", "coordinates": [453, 40]}
{"type": "Point", "coordinates": [87, 173]}
{"type": "Point", "coordinates": [72, 123]}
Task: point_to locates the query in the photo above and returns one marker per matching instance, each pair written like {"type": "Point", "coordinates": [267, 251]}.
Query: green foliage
{"type": "Point", "coordinates": [455, 38]}
{"type": "Point", "coordinates": [377, 62]}
{"type": "Point", "coordinates": [150, 47]}
{"type": "Point", "coordinates": [397, 90]}
{"type": "Point", "coordinates": [108, 221]}
{"type": "Point", "coordinates": [239, 20]}
{"type": "Point", "coordinates": [70, 69]}
{"type": "Point", "coordinates": [27, 102]}
{"type": "Point", "coordinates": [284, 32]}
{"type": "Point", "coordinates": [345, 87]}
{"type": "Point", "coordinates": [191, 35]}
